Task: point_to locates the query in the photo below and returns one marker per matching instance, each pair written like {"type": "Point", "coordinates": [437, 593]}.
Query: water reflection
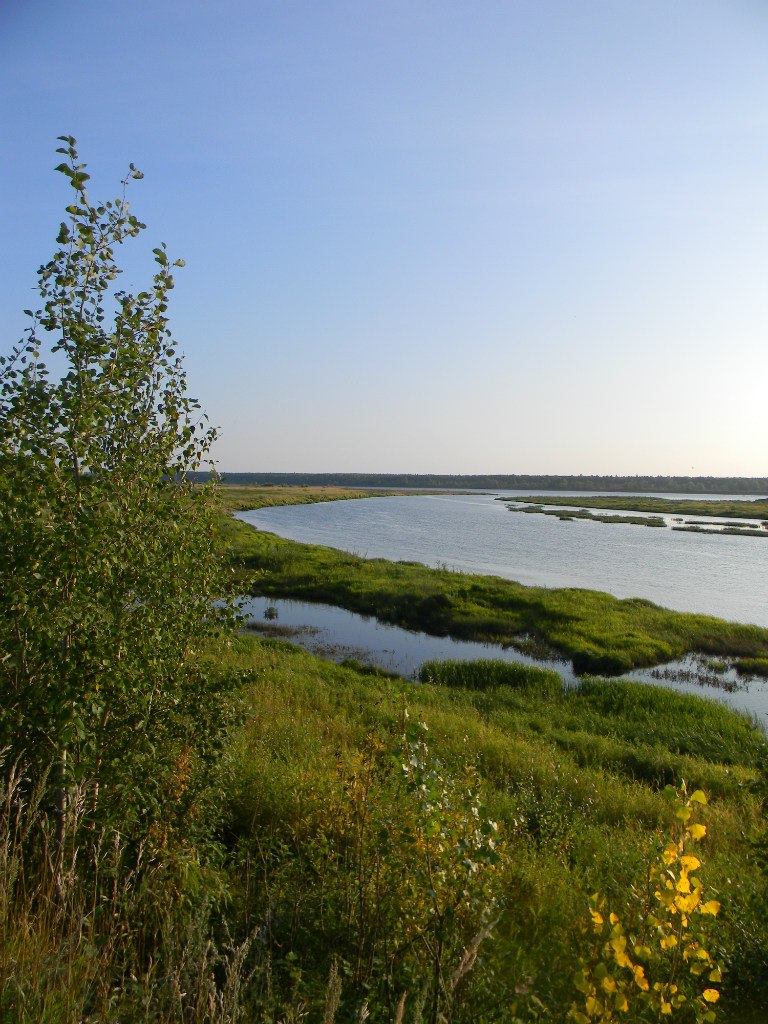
{"type": "Point", "coordinates": [337, 634]}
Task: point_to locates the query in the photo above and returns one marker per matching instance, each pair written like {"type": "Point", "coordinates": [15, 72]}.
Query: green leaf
{"type": "Point", "coordinates": [109, 572]}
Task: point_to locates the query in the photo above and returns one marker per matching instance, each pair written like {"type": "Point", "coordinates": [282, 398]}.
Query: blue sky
{"type": "Point", "coordinates": [520, 236]}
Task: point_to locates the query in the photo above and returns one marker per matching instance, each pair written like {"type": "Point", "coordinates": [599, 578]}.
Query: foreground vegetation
{"type": "Point", "coordinates": [340, 861]}
{"type": "Point", "coordinates": [756, 509]}
{"type": "Point", "coordinates": [597, 632]}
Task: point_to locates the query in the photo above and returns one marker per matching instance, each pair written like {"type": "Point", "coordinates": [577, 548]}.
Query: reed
{"type": "Point", "coordinates": [95, 930]}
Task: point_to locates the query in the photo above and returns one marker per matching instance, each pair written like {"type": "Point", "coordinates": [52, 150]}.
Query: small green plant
{"type": "Point", "coordinates": [453, 906]}
{"type": "Point", "coordinates": [405, 871]}
{"type": "Point", "coordinates": [654, 962]}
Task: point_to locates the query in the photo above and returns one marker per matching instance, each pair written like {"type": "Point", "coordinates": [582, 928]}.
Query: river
{"type": "Point", "coordinates": [726, 576]}
{"type": "Point", "coordinates": [720, 575]}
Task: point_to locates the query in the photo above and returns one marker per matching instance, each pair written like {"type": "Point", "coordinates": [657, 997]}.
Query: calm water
{"type": "Point", "coordinates": [337, 634]}
{"type": "Point", "coordinates": [717, 575]}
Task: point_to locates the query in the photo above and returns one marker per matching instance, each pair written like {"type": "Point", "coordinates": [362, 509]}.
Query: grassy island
{"type": "Point", "coordinates": [756, 509]}
{"type": "Point", "coordinates": [568, 515]}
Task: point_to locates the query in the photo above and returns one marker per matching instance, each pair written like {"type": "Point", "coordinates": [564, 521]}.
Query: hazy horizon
{"type": "Point", "coordinates": [420, 236]}
{"type": "Point", "coordinates": [760, 483]}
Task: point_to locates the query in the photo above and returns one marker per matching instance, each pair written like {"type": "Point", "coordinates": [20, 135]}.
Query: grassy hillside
{"type": "Point", "coordinates": [342, 861]}
{"type": "Point", "coordinates": [483, 847]}
{"type": "Point", "coordinates": [573, 780]}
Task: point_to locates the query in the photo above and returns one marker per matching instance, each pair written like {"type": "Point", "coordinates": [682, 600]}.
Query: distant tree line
{"type": "Point", "coordinates": [516, 481]}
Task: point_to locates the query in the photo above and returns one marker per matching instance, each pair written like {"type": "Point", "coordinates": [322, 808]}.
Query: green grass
{"type": "Point", "coordinates": [653, 521]}
{"type": "Point", "coordinates": [573, 778]}
{"type": "Point", "coordinates": [616, 724]}
{"type": "Point", "coordinates": [313, 866]}
{"type": "Point", "coordinates": [599, 633]}
{"type": "Point", "coordinates": [236, 498]}
{"type": "Point", "coordinates": [756, 509]}
{"type": "Point", "coordinates": [753, 667]}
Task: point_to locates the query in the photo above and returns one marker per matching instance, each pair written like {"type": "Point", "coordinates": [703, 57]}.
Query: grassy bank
{"type": "Point", "coordinates": [597, 632]}
{"type": "Point", "coordinates": [236, 498]}
{"type": "Point", "coordinates": [757, 509]}
{"type": "Point", "coordinates": [574, 781]}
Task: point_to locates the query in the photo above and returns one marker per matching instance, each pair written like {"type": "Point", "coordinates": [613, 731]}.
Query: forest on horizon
{"type": "Point", "coordinates": [756, 485]}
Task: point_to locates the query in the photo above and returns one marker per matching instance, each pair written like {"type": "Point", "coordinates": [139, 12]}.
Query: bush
{"type": "Point", "coordinates": [111, 556]}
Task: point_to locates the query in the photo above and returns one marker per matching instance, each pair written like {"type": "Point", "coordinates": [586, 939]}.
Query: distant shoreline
{"type": "Point", "coordinates": [625, 484]}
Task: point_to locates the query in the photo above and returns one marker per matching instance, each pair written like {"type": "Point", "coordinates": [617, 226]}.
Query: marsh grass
{"type": "Point", "coordinates": [753, 667]}
{"type": "Point", "coordinates": [599, 633]}
{"type": "Point", "coordinates": [317, 904]}
{"type": "Point", "coordinates": [755, 509]}
{"type": "Point", "coordinates": [574, 779]}
{"type": "Point", "coordinates": [488, 673]}
{"type": "Point", "coordinates": [571, 515]}
{"type": "Point", "coordinates": [728, 531]}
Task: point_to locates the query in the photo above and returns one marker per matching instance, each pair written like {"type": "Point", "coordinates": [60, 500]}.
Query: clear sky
{"type": "Point", "coordinates": [425, 235]}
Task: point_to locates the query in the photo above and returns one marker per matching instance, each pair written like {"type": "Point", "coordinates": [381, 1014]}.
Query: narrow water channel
{"type": "Point", "coordinates": [337, 634]}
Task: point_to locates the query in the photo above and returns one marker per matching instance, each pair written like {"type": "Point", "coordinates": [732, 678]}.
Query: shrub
{"type": "Point", "coordinates": [654, 961]}
{"type": "Point", "coordinates": [111, 559]}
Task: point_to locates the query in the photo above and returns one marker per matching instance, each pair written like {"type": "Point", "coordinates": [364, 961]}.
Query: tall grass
{"type": "Point", "coordinates": [573, 779]}
{"type": "Point", "coordinates": [487, 673]}
{"type": "Point", "coordinates": [318, 905]}
{"type": "Point", "coordinates": [93, 930]}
